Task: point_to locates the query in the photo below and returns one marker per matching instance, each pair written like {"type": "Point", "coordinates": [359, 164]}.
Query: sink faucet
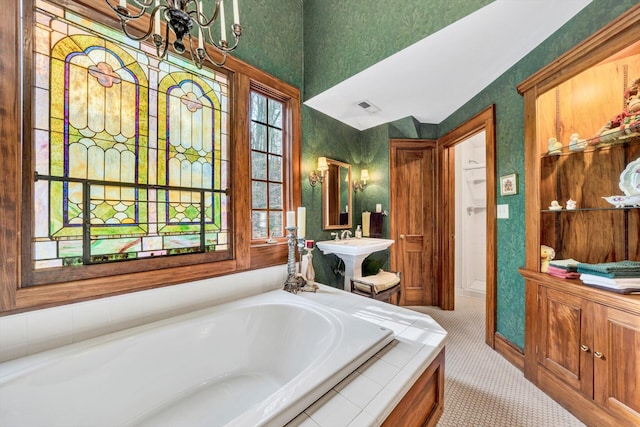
{"type": "Point", "coordinates": [348, 234]}
{"type": "Point", "coordinates": [335, 235]}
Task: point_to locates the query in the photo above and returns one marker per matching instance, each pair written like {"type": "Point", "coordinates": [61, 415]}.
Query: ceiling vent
{"type": "Point", "coordinates": [368, 106]}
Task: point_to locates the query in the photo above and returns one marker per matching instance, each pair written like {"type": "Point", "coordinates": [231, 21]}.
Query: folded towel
{"type": "Point", "coordinates": [559, 272]}
{"type": "Point", "coordinates": [612, 269]}
{"type": "Point", "coordinates": [592, 279]}
{"type": "Point", "coordinates": [568, 264]}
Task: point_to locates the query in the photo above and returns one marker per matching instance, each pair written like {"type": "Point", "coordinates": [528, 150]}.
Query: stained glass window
{"type": "Point", "coordinates": [131, 153]}
{"type": "Point", "coordinates": [267, 167]}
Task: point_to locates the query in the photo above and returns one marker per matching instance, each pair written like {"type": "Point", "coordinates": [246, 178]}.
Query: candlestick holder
{"type": "Point", "coordinates": [294, 282]}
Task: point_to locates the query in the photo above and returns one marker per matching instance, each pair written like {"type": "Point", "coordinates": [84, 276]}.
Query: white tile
{"type": "Point", "coordinates": [13, 336]}
{"type": "Point", "coordinates": [302, 420]}
{"type": "Point", "coordinates": [395, 355]}
{"type": "Point", "coordinates": [127, 311]}
{"type": "Point", "coordinates": [364, 420]}
{"type": "Point", "coordinates": [90, 319]}
{"type": "Point", "coordinates": [358, 389]}
{"type": "Point", "coordinates": [49, 328]}
{"type": "Point", "coordinates": [378, 370]}
{"type": "Point", "coordinates": [333, 410]}
{"type": "Point", "coordinates": [382, 405]}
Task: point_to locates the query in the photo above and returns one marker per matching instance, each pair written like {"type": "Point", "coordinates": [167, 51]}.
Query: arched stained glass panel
{"type": "Point", "coordinates": [131, 153]}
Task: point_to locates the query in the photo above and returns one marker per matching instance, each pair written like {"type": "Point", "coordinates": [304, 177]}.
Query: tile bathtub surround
{"type": "Point", "coordinates": [35, 331]}
{"type": "Point", "coordinates": [368, 395]}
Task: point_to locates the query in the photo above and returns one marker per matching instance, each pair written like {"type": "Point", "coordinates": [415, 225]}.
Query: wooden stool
{"type": "Point", "coordinates": [381, 286]}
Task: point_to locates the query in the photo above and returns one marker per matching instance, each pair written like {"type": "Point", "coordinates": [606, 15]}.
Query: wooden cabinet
{"type": "Point", "coordinates": [565, 338]}
{"type": "Point", "coordinates": [616, 364]}
{"type": "Point", "coordinates": [583, 349]}
{"type": "Point", "coordinates": [582, 344]}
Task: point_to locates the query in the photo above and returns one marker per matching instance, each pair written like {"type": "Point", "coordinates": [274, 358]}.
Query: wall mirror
{"type": "Point", "coordinates": [336, 196]}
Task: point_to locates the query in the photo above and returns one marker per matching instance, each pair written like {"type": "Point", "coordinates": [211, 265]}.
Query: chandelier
{"type": "Point", "coordinates": [181, 16]}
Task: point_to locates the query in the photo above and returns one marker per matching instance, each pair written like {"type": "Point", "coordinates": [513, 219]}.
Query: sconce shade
{"type": "Point", "coordinates": [364, 175]}
{"type": "Point", "coordinates": [322, 164]}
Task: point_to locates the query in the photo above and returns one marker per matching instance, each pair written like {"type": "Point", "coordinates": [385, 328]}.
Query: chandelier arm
{"type": "Point", "coordinates": [124, 16]}
{"type": "Point", "coordinates": [143, 3]}
{"type": "Point", "coordinates": [196, 14]}
{"type": "Point", "coordinates": [202, 54]}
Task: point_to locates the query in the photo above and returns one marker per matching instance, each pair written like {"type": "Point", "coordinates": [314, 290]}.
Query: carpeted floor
{"type": "Point", "coordinates": [481, 387]}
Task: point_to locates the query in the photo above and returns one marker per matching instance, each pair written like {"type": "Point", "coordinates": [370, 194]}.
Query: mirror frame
{"type": "Point", "coordinates": [326, 187]}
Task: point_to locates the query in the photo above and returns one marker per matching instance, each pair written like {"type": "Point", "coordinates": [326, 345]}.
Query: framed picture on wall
{"type": "Point", "coordinates": [509, 185]}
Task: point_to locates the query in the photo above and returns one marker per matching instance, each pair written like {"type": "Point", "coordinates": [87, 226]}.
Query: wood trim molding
{"type": "Point", "coordinates": [485, 120]}
{"type": "Point", "coordinates": [506, 349]}
{"type": "Point", "coordinates": [618, 34]}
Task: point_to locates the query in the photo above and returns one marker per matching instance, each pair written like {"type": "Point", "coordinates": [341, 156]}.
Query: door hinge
{"type": "Point", "coordinates": [536, 349]}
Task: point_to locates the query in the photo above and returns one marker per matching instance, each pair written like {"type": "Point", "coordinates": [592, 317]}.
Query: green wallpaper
{"type": "Point", "coordinates": [510, 152]}
{"type": "Point", "coordinates": [342, 38]}
{"type": "Point", "coordinates": [324, 136]}
{"type": "Point", "coordinates": [271, 36]}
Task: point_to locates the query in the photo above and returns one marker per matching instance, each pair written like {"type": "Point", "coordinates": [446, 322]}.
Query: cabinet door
{"type": "Point", "coordinates": [617, 362]}
{"type": "Point", "coordinates": [565, 337]}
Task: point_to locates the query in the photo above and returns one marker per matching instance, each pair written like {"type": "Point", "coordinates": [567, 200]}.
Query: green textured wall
{"type": "Point", "coordinates": [324, 136]}
{"type": "Point", "coordinates": [510, 151]}
{"type": "Point", "coordinates": [342, 38]}
{"type": "Point", "coordinates": [271, 36]}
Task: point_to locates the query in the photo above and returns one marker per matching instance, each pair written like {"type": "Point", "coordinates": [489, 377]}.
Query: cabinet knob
{"type": "Point", "coordinates": [598, 355]}
{"type": "Point", "coordinates": [584, 348]}
{"type": "Point", "coordinates": [402, 236]}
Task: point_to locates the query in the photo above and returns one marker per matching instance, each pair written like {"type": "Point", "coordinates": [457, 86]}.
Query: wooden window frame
{"type": "Point", "coordinates": [15, 205]}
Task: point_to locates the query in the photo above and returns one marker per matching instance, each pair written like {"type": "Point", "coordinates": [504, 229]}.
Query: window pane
{"type": "Point", "coordinates": [259, 195]}
{"type": "Point", "coordinates": [258, 165]}
{"type": "Point", "coordinates": [275, 141]}
{"type": "Point", "coordinates": [275, 168]}
{"type": "Point", "coordinates": [259, 225]}
{"type": "Point", "coordinates": [275, 196]}
{"type": "Point", "coordinates": [258, 107]}
{"type": "Point", "coordinates": [258, 137]}
{"type": "Point", "coordinates": [275, 113]}
{"type": "Point", "coordinates": [275, 224]}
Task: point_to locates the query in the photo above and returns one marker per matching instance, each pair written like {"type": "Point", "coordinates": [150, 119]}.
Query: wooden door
{"type": "Point", "coordinates": [565, 337]}
{"type": "Point", "coordinates": [412, 185]}
{"type": "Point", "coordinates": [616, 364]}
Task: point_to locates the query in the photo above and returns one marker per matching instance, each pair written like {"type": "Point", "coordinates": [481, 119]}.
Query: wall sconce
{"type": "Point", "coordinates": [318, 177]}
{"type": "Point", "coordinates": [364, 177]}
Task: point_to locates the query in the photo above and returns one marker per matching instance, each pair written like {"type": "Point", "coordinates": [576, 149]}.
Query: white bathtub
{"type": "Point", "coordinates": [256, 361]}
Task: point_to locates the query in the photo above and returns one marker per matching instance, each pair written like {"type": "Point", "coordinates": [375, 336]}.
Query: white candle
{"type": "Point", "coordinates": [123, 3]}
{"type": "Point", "coordinates": [302, 222]}
{"type": "Point", "coordinates": [236, 14]}
{"type": "Point", "coordinates": [378, 207]}
{"type": "Point", "coordinates": [291, 219]}
{"type": "Point", "coordinates": [200, 35]}
{"type": "Point", "coordinates": [223, 24]}
{"type": "Point", "coordinates": [157, 19]}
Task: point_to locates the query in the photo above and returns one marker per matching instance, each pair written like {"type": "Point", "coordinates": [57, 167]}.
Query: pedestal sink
{"type": "Point", "coordinates": [353, 252]}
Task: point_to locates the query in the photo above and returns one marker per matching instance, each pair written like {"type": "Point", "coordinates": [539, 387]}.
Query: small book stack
{"type": "Point", "coordinates": [621, 276]}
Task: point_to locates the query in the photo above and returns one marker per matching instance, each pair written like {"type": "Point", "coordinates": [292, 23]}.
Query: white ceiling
{"type": "Point", "coordinates": [449, 67]}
